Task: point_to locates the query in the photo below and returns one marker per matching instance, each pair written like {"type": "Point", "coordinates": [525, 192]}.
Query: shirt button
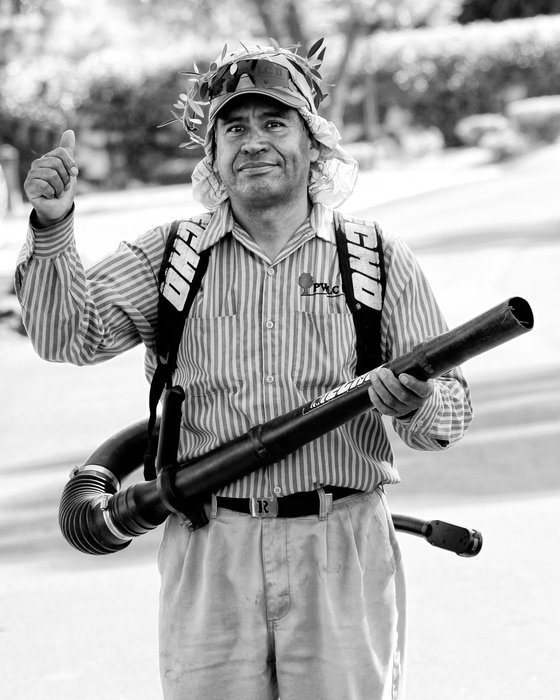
{"type": "Point", "coordinates": [269, 379]}
{"type": "Point", "coordinates": [277, 490]}
{"type": "Point", "coordinates": [270, 271]}
{"type": "Point", "coordinates": [269, 324]}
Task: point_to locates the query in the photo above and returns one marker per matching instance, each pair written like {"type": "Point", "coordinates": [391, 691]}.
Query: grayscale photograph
{"type": "Point", "coordinates": [279, 368]}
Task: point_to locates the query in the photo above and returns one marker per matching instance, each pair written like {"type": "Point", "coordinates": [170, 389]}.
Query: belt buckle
{"type": "Point", "coordinates": [264, 507]}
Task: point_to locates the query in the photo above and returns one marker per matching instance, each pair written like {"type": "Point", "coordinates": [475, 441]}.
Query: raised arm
{"type": "Point", "coordinates": [72, 315]}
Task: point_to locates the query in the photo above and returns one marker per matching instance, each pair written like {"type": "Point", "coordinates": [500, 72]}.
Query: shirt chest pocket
{"type": "Point", "coordinates": [211, 355]}
{"type": "Point", "coordinates": [324, 352]}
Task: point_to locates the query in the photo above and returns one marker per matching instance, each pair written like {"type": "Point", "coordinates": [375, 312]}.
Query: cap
{"type": "Point", "coordinates": [263, 73]}
{"type": "Point", "coordinates": [279, 73]}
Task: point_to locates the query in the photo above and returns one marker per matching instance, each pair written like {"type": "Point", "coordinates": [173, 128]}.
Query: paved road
{"type": "Point", "coordinates": [73, 626]}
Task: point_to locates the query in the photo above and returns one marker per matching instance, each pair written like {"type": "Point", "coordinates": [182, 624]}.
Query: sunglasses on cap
{"type": "Point", "coordinates": [257, 75]}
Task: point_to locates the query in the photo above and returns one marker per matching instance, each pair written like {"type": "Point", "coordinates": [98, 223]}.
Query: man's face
{"type": "Point", "coordinates": [263, 152]}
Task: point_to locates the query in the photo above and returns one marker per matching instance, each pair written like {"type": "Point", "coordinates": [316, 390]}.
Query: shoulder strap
{"type": "Point", "coordinates": [179, 279]}
{"type": "Point", "coordinates": [360, 256]}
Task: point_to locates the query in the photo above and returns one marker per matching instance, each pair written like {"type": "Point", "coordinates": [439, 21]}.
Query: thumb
{"type": "Point", "coordinates": [68, 141]}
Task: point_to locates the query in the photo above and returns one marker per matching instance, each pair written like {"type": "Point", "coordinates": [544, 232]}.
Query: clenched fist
{"type": "Point", "coordinates": [51, 181]}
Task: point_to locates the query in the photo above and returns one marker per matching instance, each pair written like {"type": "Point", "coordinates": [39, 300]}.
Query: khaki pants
{"type": "Point", "coordinates": [305, 608]}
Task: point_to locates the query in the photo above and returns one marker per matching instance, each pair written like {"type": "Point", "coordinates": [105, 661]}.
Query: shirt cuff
{"type": "Point", "coordinates": [53, 240]}
{"type": "Point", "coordinates": [422, 420]}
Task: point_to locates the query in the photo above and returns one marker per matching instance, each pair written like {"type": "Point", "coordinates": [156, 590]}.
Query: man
{"type": "Point", "coordinates": [309, 604]}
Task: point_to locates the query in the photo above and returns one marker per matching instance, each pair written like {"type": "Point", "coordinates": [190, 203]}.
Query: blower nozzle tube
{"type": "Point", "coordinates": [97, 518]}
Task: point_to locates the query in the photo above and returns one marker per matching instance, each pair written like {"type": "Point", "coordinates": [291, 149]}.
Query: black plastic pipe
{"type": "Point", "coordinates": [97, 518]}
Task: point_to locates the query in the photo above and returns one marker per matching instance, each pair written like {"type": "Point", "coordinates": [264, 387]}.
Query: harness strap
{"type": "Point", "coordinates": [180, 277]}
{"type": "Point", "coordinates": [360, 256]}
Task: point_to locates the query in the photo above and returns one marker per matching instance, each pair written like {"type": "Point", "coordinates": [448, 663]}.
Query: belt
{"type": "Point", "coordinates": [296, 505]}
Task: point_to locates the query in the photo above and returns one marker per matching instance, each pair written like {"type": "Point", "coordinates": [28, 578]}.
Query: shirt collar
{"type": "Point", "coordinates": [220, 224]}
{"type": "Point", "coordinates": [320, 222]}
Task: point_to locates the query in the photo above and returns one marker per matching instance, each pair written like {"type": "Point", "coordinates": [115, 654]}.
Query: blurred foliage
{"type": "Point", "coordinates": [114, 103]}
{"type": "Point", "coordinates": [64, 65]}
{"type": "Point", "coordinates": [362, 18]}
{"type": "Point", "coordinates": [500, 10]}
{"type": "Point", "coordinates": [536, 117]}
{"type": "Point", "coordinates": [440, 75]}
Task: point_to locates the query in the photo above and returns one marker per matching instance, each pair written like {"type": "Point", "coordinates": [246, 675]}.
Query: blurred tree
{"type": "Point", "coordinates": [35, 27]}
{"type": "Point", "coordinates": [57, 56]}
{"type": "Point", "coordinates": [282, 21]}
{"type": "Point", "coordinates": [220, 20]}
{"type": "Point", "coordinates": [474, 10]}
{"type": "Point", "coordinates": [22, 24]}
{"type": "Point", "coordinates": [188, 20]}
{"type": "Point", "coordinates": [291, 22]}
{"type": "Point", "coordinates": [364, 18]}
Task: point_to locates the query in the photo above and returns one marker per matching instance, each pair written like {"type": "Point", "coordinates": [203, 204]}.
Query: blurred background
{"type": "Point", "coordinates": [409, 76]}
{"type": "Point", "coordinates": [452, 109]}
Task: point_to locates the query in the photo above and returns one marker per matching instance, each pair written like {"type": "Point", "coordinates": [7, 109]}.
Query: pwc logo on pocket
{"type": "Point", "coordinates": [310, 288]}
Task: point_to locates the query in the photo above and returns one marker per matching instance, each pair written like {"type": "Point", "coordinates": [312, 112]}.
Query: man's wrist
{"type": "Point", "coordinates": [40, 223]}
{"type": "Point", "coordinates": [55, 239]}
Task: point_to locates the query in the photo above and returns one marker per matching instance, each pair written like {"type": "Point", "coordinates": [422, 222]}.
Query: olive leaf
{"type": "Point", "coordinates": [196, 108]}
{"type": "Point", "coordinates": [316, 46]}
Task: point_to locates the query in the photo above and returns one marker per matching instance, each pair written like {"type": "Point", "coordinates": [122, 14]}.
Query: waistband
{"type": "Point", "coordinates": [296, 505]}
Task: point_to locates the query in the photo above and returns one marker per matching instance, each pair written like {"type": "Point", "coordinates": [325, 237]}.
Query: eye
{"type": "Point", "coordinates": [274, 124]}
{"type": "Point", "coordinates": [234, 128]}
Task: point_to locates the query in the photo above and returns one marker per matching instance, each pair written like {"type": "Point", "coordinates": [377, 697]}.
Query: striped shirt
{"type": "Point", "coordinates": [259, 341]}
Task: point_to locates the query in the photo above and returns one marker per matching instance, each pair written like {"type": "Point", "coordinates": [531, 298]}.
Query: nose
{"type": "Point", "coordinates": [254, 141]}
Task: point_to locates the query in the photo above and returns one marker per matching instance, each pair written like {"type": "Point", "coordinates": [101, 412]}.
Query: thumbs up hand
{"type": "Point", "coordinates": [52, 180]}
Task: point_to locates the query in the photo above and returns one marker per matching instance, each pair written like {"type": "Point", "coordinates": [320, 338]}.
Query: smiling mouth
{"type": "Point", "coordinates": [255, 167]}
